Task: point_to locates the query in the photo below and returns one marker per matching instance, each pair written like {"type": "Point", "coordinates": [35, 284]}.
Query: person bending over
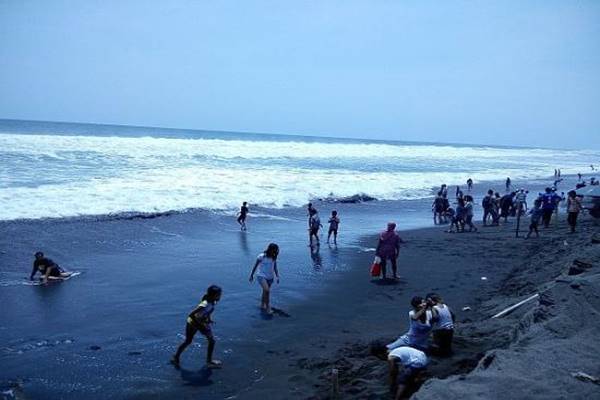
{"type": "Point", "coordinates": [405, 366]}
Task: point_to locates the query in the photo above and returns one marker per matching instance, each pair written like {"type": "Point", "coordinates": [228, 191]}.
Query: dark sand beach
{"type": "Point", "coordinates": [110, 331]}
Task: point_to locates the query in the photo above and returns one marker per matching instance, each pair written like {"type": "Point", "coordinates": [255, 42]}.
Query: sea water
{"type": "Point", "coordinates": [64, 170]}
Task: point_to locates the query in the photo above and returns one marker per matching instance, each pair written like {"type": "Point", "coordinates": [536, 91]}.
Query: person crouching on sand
{"type": "Point", "coordinates": [443, 324]}
{"type": "Point", "coordinates": [266, 264]}
{"type": "Point", "coordinates": [388, 248]}
{"type": "Point", "coordinates": [419, 326]}
{"type": "Point", "coordinates": [412, 362]}
{"type": "Point", "coordinates": [200, 320]}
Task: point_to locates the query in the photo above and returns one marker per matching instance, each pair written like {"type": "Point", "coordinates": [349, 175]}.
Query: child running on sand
{"type": "Point", "coordinates": [266, 263]}
{"type": "Point", "coordinates": [419, 326]}
{"type": "Point", "coordinates": [443, 324]}
{"type": "Point", "coordinates": [242, 216]}
{"type": "Point", "coordinates": [334, 223]}
{"type": "Point", "coordinates": [200, 320]}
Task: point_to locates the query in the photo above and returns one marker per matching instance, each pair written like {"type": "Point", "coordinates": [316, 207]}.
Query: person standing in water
{"type": "Point", "coordinates": [314, 226]}
{"type": "Point", "coordinates": [573, 208]}
{"type": "Point", "coordinates": [242, 216]}
{"type": "Point", "coordinates": [469, 184]}
{"type": "Point", "coordinates": [48, 268]}
{"type": "Point", "coordinates": [334, 223]}
{"type": "Point", "coordinates": [508, 184]}
{"type": "Point", "coordinates": [199, 320]}
{"type": "Point", "coordinates": [266, 265]}
{"type": "Point", "coordinates": [388, 248]}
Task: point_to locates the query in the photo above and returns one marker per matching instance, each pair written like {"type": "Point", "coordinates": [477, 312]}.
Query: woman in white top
{"type": "Point", "coordinates": [266, 264]}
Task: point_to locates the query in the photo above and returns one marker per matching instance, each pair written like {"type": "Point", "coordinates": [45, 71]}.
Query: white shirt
{"type": "Point", "coordinates": [409, 357]}
{"type": "Point", "coordinates": [444, 317]}
{"type": "Point", "coordinates": [266, 266]}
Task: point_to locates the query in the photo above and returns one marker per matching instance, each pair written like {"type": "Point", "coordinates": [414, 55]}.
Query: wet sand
{"type": "Point", "coordinates": [110, 331]}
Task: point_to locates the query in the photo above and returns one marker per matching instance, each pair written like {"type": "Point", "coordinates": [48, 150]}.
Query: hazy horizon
{"type": "Point", "coordinates": [507, 74]}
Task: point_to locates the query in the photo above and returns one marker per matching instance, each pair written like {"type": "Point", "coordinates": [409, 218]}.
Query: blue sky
{"type": "Point", "coordinates": [509, 73]}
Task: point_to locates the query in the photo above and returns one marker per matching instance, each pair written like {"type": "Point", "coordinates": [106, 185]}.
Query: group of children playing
{"type": "Point", "coordinates": [407, 356]}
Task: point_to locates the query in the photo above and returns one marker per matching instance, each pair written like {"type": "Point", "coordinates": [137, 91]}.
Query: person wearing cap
{"type": "Point", "coordinates": [47, 267]}
{"type": "Point", "coordinates": [388, 248]}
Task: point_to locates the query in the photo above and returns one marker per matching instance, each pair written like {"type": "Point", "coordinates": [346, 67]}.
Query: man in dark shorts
{"type": "Point", "coordinates": [46, 267]}
{"type": "Point", "coordinates": [242, 216]}
{"type": "Point", "coordinates": [405, 365]}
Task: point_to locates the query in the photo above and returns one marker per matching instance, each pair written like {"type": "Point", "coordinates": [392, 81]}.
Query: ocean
{"type": "Point", "coordinates": [54, 170]}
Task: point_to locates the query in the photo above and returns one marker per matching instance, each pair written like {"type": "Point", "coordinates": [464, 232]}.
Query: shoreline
{"type": "Point", "coordinates": [335, 309]}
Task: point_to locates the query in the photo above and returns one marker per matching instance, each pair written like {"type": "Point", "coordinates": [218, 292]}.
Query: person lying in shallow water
{"type": "Point", "coordinates": [48, 268]}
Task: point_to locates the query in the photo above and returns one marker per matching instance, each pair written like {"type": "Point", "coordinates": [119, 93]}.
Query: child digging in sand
{"type": "Point", "coordinates": [199, 320]}
{"type": "Point", "coordinates": [411, 362]}
{"type": "Point", "coordinates": [266, 263]}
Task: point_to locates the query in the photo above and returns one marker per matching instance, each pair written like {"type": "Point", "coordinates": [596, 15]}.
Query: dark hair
{"type": "Point", "coordinates": [378, 349]}
{"type": "Point", "coordinates": [490, 191]}
{"type": "Point", "coordinates": [572, 193]}
{"type": "Point", "coordinates": [334, 212]}
{"type": "Point", "coordinates": [434, 296]}
{"type": "Point", "coordinates": [245, 203]}
{"type": "Point", "coordinates": [272, 251]}
{"type": "Point", "coordinates": [537, 202]}
{"type": "Point", "coordinates": [312, 211]}
{"type": "Point", "coordinates": [212, 293]}
{"type": "Point", "coordinates": [548, 190]}
{"type": "Point", "coordinates": [416, 301]}
{"type": "Point", "coordinates": [39, 254]}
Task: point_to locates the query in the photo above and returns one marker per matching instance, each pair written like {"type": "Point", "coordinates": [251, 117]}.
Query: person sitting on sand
{"type": "Point", "coordinates": [469, 213]}
{"type": "Point", "coordinates": [443, 324]}
{"type": "Point", "coordinates": [48, 268]}
{"type": "Point", "coordinates": [199, 320]}
{"type": "Point", "coordinates": [419, 326]}
{"type": "Point", "coordinates": [388, 248]}
{"type": "Point", "coordinates": [536, 215]}
{"type": "Point", "coordinates": [242, 216]}
{"type": "Point", "coordinates": [412, 362]}
{"type": "Point", "coordinates": [334, 223]}
{"type": "Point", "coordinates": [266, 263]}
{"type": "Point", "coordinates": [314, 226]}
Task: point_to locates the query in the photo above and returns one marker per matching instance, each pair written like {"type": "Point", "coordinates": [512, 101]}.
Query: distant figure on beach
{"type": "Point", "coordinates": [314, 226]}
{"type": "Point", "coordinates": [334, 223]}
{"type": "Point", "coordinates": [388, 249]}
{"type": "Point", "coordinates": [536, 215]}
{"type": "Point", "coordinates": [444, 190]}
{"type": "Point", "coordinates": [419, 326]}
{"type": "Point", "coordinates": [549, 202]}
{"type": "Point", "coordinates": [559, 172]}
{"type": "Point", "coordinates": [469, 213]}
{"type": "Point", "coordinates": [469, 184]}
{"type": "Point", "coordinates": [242, 216]}
{"type": "Point", "coordinates": [520, 202]}
{"type": "Point", "coordinates": [579, 176]}
{"type": "Point", "coordinates": [457, 192]}
{"type": "Point", "coordinates": [488, 207]}
{"type": "Point", "coordinates": [266, 264]}
{"type": "Point", "coordinates": [592, 167]}
{"type": "Point", "coordinates": [555, 173]}
{"type": "Point", "coordinates": [438, 208]}
{"type": "Point", "coordinates": [199, 320]}
{"type": "Point", "coordinates": [48, 268]}
{"type": "Point", "coordinates": [508, 184]}
{"type": "Point", "coordinates": [573, 208]}
{"type": "Point", "coordinates": [594, 182]}
{"type": "Point", "coordinates": [443, 324]}
{"type": "Point", "coordinates": [506, 202]}
{"type": "Point", "coordinates": [309, 210]}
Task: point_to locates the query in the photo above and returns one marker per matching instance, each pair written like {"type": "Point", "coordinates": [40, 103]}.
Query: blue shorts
{"type": "Point", "coordinates": [261, 279]}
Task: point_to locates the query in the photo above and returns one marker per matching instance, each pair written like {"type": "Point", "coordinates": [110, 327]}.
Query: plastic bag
{"type": "Point", "coordinates": [376, 267]}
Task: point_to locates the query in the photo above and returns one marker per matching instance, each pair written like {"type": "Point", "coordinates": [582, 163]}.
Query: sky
{"type": "Point", "coordinates": [523, 73]}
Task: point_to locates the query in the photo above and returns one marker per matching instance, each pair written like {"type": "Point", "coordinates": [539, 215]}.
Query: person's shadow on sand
{"type": "Point", "coordinates": [386, 282]}
{"type": "Point", "coordinates": [197, 378]}
{"type": "Point", "coordinates": [244, 242]}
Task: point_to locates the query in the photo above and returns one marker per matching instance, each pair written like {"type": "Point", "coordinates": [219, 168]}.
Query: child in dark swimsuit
{"type": "Point", "coordinates": [199, 320]}
{"type": "Point", "coordinates": [242, 216]}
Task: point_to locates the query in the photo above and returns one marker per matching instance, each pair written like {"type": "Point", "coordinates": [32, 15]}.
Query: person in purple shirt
{"type": "Point", "coordinates": [388, 248]}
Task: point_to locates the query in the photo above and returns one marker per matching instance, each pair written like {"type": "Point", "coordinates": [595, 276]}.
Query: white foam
{"type": "Point", "coordinates": [60, 176]}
